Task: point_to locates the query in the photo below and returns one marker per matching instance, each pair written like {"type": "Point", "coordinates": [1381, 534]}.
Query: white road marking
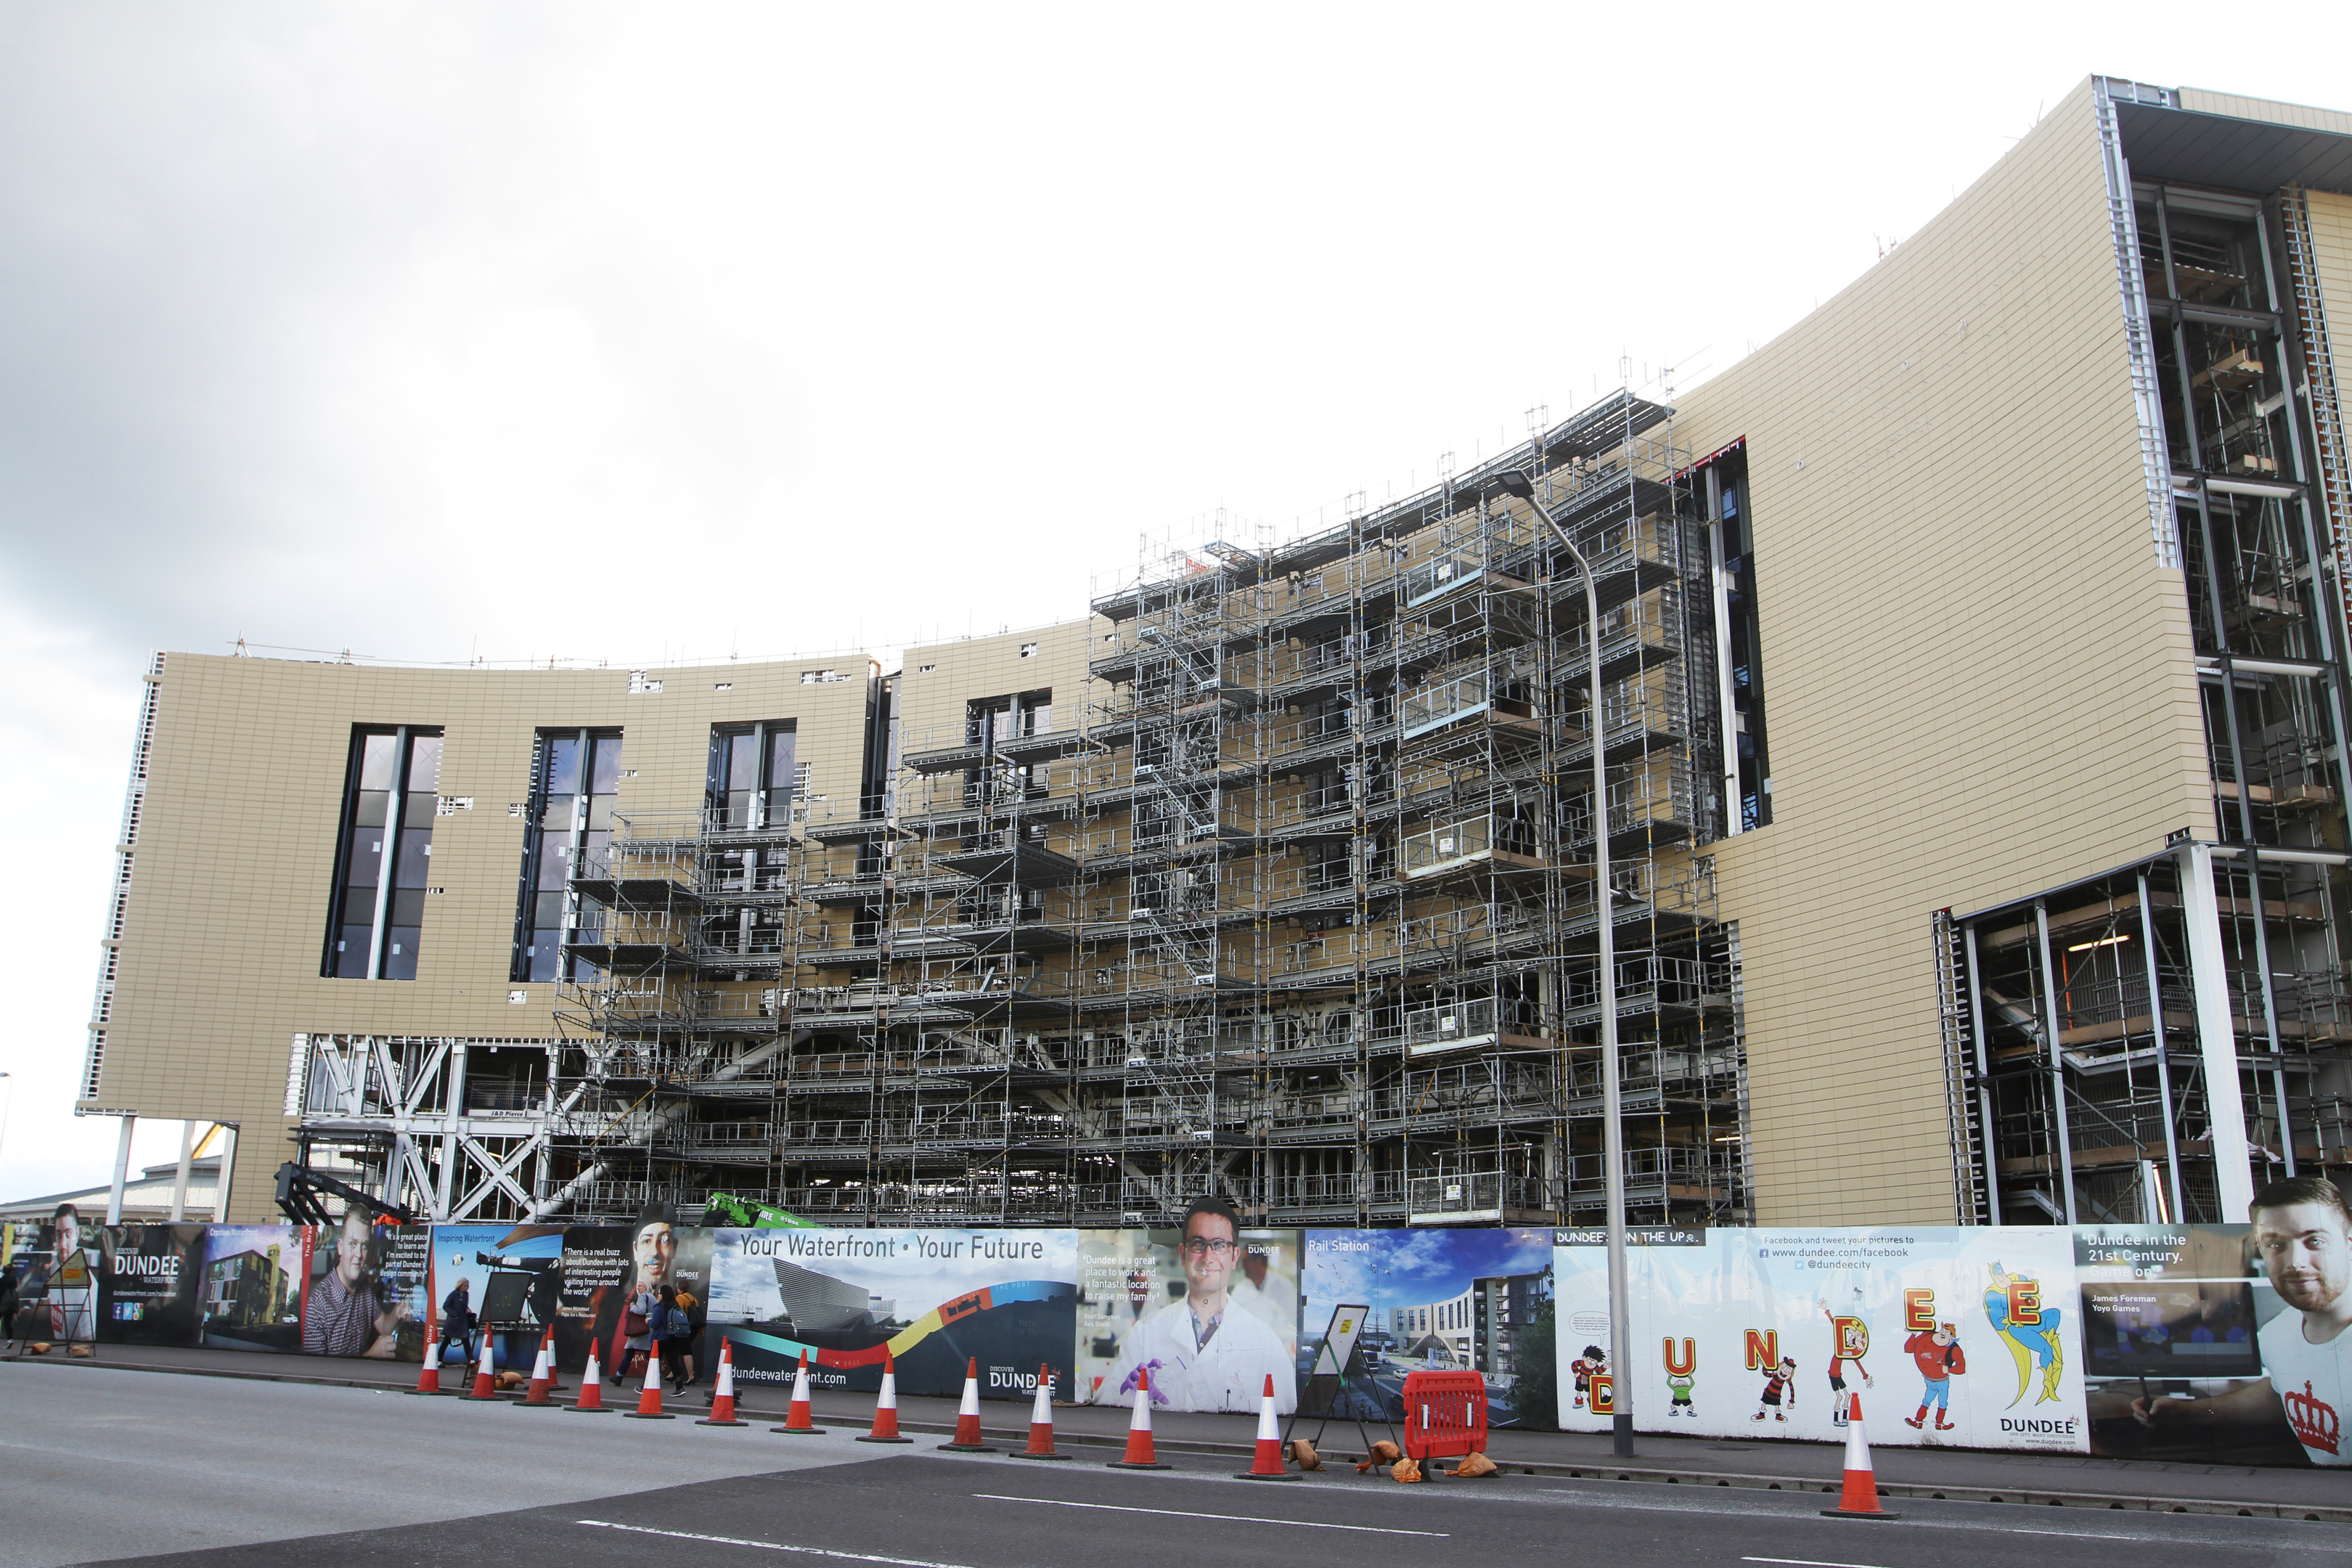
{"type": "Point", "coordinates": [768, 1545]}
{"type": "Point", "coordinates": [1233, 1518]}
{"type": "Point", "coordinates": [1810, 1563]}
{"type": "Point", "coordinates": [1707, 1503]}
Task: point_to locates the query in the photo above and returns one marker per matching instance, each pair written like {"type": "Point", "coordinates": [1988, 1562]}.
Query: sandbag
{"type": "Point", "coordinates": [1476, 1465]}
{"type": "Point", "coordinates": [1302, 1454]}
{"type": "Point", "coordinates": [1405, 1472]}
{"type": "Point", "coordinates": [1383, 1453]}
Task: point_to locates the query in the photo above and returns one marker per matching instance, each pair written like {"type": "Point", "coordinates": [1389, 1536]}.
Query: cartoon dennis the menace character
{"type": "Point", "coordinates": [1938, 1354]}
{"type": "Point", "coordinates": [1680, 1383]}
{"type": "Point", "coordinates": [1594, 1359]}
{"type": "Point", "coordinates": [1849, 1341]}
{"type": "Point", "coordinates": [1779, 1389]}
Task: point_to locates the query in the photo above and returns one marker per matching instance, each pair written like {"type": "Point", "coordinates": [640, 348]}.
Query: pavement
{"type": "Point", "coordinates": [103, 1465]}
{"type": "Point", "coordinates": [1784, 1464]}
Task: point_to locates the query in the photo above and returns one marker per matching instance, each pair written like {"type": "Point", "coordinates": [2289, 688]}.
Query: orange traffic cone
{"type": "Point", "coordinates": [649, 1400]}
{"type": "Point", "coordinates": [886, 1408]}
{"type": "Point", "coordinates": [1860, 1497]}
{"type": "Point", "coordinates": [542, 1373]}
{"type": "Point", "coordinates": [798, 1418]}
{"type": "Point", "coordinates": [1138, 1455]}
{"type": "Point", "coordinates": [591, 1387]}
{"type": "Point", "coordinates": [429, 1379]}
{"type": "Point", "coordinates": [1040, 1421]}
{"type": "Point", "coordinates": [486, 1375]}
{"type": "Point", "coordinates": [1266, 1464]}
{"type": "Point", "coordinates": [967, 1438]}
{"type": "Point", "coordinates": [722, 1397]}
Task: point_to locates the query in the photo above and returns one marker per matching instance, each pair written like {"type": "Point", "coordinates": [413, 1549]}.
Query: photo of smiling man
{"type": "Point", "coordinates": [347, 1310]}
{"type": "Point", "coordinates": [1205, 1349]}
{"type": "Point", "coordinates": [2303, 1239]}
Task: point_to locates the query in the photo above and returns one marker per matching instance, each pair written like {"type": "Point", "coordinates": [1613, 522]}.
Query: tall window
{"type": "Point", "coordinates": [1744, 653]}
{"type": "Point", "coordinates": [576, 774]}
{"type": "Point", "coordinates": [752, 774]}
{"type": "Point", "coordinates": [385, 861]}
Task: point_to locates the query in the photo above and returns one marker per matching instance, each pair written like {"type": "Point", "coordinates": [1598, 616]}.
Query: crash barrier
{"type": "Point", "coordinates": [1444, 1414]}
{"type": "Point", "coordinates": [2029, 1338]}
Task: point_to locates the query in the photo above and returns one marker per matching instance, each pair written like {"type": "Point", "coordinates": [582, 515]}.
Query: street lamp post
{"type": "Point", "coordinates": [1518, 483]}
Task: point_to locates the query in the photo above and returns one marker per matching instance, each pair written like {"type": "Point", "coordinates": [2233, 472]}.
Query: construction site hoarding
{"type": "Point", "coordinates": [1461, 1299]}
{"type": "Point", "coordinates": [931, 1301]}
{"type": "Point", "coordinates": [602, 1268]}
{"type": "Point", "coordinates": [125, 1284]}
{"type": "Point", "coordinates": [2195, 1344]}
{"type": "Point", "coordinates": [1209, 1318]}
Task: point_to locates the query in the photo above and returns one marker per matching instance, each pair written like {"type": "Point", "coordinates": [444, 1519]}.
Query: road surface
{"type": "Point", "coordinates": [193, 1472]}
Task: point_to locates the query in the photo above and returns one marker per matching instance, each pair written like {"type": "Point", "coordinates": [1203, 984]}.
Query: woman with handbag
{"type": "Point", "coordinates": [637, 1327]}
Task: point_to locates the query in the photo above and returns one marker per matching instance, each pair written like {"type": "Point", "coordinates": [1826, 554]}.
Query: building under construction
{"type": "Point", "coordinates": [1275, 873]}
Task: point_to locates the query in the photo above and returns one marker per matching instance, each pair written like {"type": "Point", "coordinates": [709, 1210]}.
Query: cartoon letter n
{"type": "Point", "coordinates": [1763, 1348]}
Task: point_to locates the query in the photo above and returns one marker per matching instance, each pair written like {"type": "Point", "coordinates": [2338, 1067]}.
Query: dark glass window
{"type": "Point", "coordinates": [383, 864]}
{"type": "Point", "coordinates": [574, 778]}
{"type": "Point", "coordinates": [753, 774]}
{"type": "Point", "coordinates": [1745, 725]}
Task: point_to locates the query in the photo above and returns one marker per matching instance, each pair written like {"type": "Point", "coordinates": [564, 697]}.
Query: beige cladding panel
{"type": "Point", "coordinates": [2331, 245]}
{"type": "Point", "coordinates": [233, 868]}
{"type": "Point", "coordinates": [1978, 679]}
{"type": "Point", "coordinates": [940, 678]}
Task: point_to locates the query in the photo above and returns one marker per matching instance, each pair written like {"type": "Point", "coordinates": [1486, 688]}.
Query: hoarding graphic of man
{"type": "Point", "coordinates": [1938, 1354]}
{"type": "Point", "coordinates": [1206, 1352]}
{"type": "Point", "coordinates": [72, 1277]}
{"type": "Point", "coordinates": [2302, 1235]}
{"type": "Point", "coordinates": [655, 1253]}
{"type": "Point", "coordinates": [346, 1314]}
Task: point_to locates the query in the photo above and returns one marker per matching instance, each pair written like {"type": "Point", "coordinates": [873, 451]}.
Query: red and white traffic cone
{"type": "Point", "coordinates": [591, 1387]}
{"type": "Point", "coordinates": [542, 1375]}
{"type": "Point", "coordinates": [1040, 1421]}
{"type": "Point", "coordinates": [1139, 1456]}
{"type": "Point", "coordinates": [886, 1408]}
{"type": "Point", "coordinates": [486, 1375]}
{"type": "Point", "coordinates": [649, 1400]}
{"type": "Point", "coordinates": [799, 1420]}
{"type": "Point", "coordinates": [722, 1398]}
{"type": "Point", "coordinates": [1860, 1497]}
{"type": "Point", "coordinates": [429, 1379]}
{"type": "Point", "coordinates": [1265, 1465]}
{"type": "Point", "coordinates": [967, 1438]}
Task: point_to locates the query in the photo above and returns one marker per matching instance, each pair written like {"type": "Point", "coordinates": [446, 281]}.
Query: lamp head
{"type": "Point", "coordinates": [1515, 482]}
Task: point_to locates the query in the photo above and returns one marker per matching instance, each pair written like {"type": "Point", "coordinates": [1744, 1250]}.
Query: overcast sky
{"type": "Point", "coordinates": [647, 332]}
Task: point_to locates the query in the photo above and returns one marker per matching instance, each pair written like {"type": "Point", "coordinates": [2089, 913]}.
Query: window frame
{"type": "Point", "coordinates": [389, 853]}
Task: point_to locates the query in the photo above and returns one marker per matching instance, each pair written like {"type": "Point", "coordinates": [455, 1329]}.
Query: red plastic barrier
{"type": "Point", "coordinates": [1444, 1414]}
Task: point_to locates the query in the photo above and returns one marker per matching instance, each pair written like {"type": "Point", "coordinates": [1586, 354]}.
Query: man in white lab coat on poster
{"type": "Point", "coordinates": [1205, 1352]}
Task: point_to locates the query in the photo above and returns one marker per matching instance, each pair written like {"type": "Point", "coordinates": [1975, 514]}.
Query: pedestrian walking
{"type": "Point", "coordinates": [690, 1346]}
{"type": "Point", "coordinates": [457, 1321]}
{"type": "Point", "coordinates": [8, 1307]}
{"type": "Point", "coordinates": [638, 1332]}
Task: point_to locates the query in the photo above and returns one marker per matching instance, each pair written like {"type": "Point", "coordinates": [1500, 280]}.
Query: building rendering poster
{"type": "Point", "coordinates": [251, 1295]}
{"type": "Point", "coordinates": [930, 1301]}
{"type": "Point", "coordinates": [1441, 1301]}
{"type": "Point", "coordinates": [1208, 1317]}
{"type": "Point", "coordinates": [1962, 1337]}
